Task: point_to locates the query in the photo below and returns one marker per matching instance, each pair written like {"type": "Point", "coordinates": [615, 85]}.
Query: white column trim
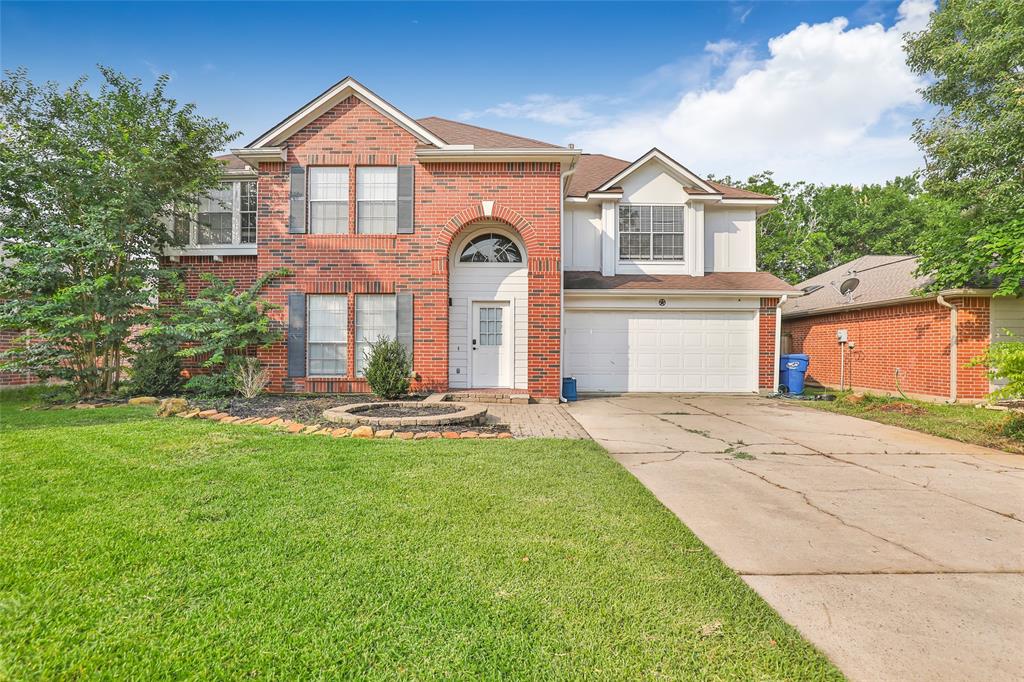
{"type": "Point", "coordinates": [609, 238]}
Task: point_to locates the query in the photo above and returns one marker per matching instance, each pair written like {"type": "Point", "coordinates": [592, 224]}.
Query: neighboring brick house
{"type": "Point", "coordinates": [13, 379]}
{"type": "Point", "coordinates": [456, 239]}
{"type": "Point", "coordinates": [896, 340]}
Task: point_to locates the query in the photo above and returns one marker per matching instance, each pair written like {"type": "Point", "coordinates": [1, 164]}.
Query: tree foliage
{"type": "Point", "coordinates": [817, 227]}
{"type": "Point", "coordinates": [85, 182]}
{"type": "Point", "coordinates": [221, 322]}
{"type": "Point", "coordinates": [973, 53]}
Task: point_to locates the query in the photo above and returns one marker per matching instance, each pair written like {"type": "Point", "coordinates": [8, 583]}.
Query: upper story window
{"type": "Point", "coordinates": [377, 200]}
{"type": "Point", "coordinates": [227, 216]}
{"type": "Point", "coordinates": [651, 232]}
{"type": "Point", "coordinates": [328, 200]}
{"type": "Point", "coordinates": [491, 248]}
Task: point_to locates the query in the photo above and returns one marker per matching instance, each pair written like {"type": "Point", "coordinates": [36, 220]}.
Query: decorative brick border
{"type": "Point", "coordinates": [349, 415]}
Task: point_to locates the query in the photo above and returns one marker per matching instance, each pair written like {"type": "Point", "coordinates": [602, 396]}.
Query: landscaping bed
{"type": "Point", "coordinates": [308, 409]}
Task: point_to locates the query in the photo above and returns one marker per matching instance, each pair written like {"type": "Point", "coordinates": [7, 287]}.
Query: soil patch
{"type": "Point", "coordinates": [418, 410]}
{"type": "Point", "coordinates": [901, 408]}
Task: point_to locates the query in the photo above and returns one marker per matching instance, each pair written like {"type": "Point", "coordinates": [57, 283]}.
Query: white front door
{"type": "Point", "coordinates": [491, 344]}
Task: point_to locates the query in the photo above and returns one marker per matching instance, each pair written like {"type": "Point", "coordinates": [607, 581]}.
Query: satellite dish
{"type": "Point", "coordinates": [848, 285]}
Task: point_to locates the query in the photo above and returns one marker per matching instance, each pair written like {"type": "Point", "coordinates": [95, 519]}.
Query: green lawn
{"type": "Point", "coordinates": [966, 423]}
{"type": "Point", "coordinates": [142, 548]}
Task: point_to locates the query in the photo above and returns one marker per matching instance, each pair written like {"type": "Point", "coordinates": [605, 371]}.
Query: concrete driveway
{"type": "Point", "coordinates": [900, 555]}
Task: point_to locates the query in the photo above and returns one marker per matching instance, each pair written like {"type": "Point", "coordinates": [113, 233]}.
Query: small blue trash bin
{"type": "Point", "coordinates": [569, 388]}
{"type": "Point", "coordinates": [792, 368]}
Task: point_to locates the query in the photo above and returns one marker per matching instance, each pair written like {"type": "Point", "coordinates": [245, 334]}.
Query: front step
{"type": "Point", "coordinates": [508, 397]}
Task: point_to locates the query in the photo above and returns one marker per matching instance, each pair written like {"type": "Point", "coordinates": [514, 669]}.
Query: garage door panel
{"type": "Point", "coordinates": [672, 351]}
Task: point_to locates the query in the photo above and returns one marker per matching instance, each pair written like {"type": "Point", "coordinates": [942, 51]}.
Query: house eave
{"type": "Point", "coordinates": [902, 300]}
{"type": "Point", "coordinates": [750, 293]}
{"type": "Point", "coordinates": [468, 155]}
{"type": "Point", "coordinates": [253, 157]}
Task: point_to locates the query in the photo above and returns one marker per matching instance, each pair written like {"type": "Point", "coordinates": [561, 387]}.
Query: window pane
{"type": "Point", "coordinates": [328, 217]}
{"type": "Point", "coordinates": [214, 228]}
{"type": "Point", "coordinates": [377, 200]}
{"type": "Point", "coordinates": [648, 232]}
{"type": "Point", "coordinates": [247, 212]}
{"type": "Point", "coordinates": [375, 318]}
{"type": "Point", "coordinates": [490, 326]}
{"type": "Point", "coordinates": [491, 248]}
{"type": "Point", "coordinates": [328, 200]}
{"type": "Point", "coordinates": [327, 335]}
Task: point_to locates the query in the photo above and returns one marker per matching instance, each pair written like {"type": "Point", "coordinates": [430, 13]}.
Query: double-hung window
{"type": "Point", "coordinates": [651, 232]}
{"type": "Point", "coordinates": [375, 318]}
{"type": "Point", "coordinates": [328, 200]}
{"type": "Point", "coordinates": [225, 217]}
{"type": "Point", "coordinates": [377, 200]}
{"type": "Point", "coordinates": [327, 335]}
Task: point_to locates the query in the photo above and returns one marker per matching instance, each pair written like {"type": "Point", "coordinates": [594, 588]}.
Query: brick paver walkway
{"type": "Point", "coordinates": [536, 421]}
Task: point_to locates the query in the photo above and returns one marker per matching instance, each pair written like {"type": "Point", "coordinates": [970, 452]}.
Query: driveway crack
{"type": "Point", "coordinates": [835, 516]}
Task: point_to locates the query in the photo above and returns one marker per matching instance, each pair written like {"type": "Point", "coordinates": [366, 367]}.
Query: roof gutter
{"type": "Point", "coordinates": [953, 316]}
{"type": "Point", "coordinates": [888, 302]}
{"type": "Point", "coordinates": [507, 154]}
{"type": "Point", "coordinates": [681, 292]}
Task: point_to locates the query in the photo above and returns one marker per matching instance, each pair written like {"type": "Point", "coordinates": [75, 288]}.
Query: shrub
{"type": "Point", "coordinates": [210, 385]}
{"type": "Point", "coordinates": [1005, 361]}
{"type": "Point", "coordinates": [249, 377]}
{"type": "Point", "coordinates": [156, 369]}
{"type": "Point", "coordinates": [388, 368]}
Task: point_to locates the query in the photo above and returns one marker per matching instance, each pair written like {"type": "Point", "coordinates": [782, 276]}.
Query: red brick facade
{"type": "Point", "coordinates": [12, 379]}
{"type": "Point", "coordinates": [913, 337]}
{"type": "Point", "coordinates": [448, 196]}
{"type": "Point", "coordinates": [766, 344]}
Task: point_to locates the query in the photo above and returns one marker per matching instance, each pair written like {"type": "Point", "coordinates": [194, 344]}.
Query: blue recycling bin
{"type": "Point", "coordinates": [792, 368]}
{"type": "Point", "coordinates": [569, 388]}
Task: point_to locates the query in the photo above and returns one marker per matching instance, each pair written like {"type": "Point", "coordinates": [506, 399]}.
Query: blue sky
{"type": "Point", "coordinates": [815, 91]}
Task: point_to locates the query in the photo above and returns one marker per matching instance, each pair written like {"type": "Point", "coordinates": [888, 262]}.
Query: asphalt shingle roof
{"type": "Point", "coordinates": [882, 279]}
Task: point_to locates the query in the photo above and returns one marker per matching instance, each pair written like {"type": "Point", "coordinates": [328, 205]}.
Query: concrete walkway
{"type": "Point", "coordinates": [900, 555]}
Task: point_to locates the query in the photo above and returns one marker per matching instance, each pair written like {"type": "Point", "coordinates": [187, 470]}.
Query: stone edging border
{"type": "Point", "coordinates": [349, 415]}
{"type": "Point", "coordinates": [363, 431]}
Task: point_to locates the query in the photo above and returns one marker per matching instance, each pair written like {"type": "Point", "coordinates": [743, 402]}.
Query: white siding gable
{"type": "Point", "coordinates": [730, 237]}
{"type": "Point", "coordinates": [651, 183]}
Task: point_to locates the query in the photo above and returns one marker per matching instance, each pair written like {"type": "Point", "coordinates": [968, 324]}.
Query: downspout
{"type": "Point", "coordinates": [953, 310]}
{"type": "Point", "coordinates": [778, 338]}
{"type": "Point", "coordinates": [561, 268]}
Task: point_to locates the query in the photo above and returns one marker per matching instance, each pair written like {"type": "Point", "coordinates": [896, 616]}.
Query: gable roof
{"type": "Point", "coordinates": [326, 100]}
{"type": "Point", "coordinates": [454, 132]}
{"type": "Point", "coordinates": [883, 279]}
{"type": "Point", "coordinates": [596, 171]}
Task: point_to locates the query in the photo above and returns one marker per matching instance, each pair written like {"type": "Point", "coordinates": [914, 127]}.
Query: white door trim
{"type": "Point", "coordinates": [508, 334]}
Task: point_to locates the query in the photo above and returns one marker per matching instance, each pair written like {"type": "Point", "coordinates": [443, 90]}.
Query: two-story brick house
{"type": "Point", "coordinates": [499, 261]}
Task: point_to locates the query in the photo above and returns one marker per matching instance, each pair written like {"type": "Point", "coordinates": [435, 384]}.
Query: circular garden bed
{"type": "Point", "coordinates": [404, 414]}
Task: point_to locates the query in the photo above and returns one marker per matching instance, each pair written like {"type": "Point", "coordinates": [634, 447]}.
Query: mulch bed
{"type": "Point", "coordinates": [419, 410]}
{"type": "Point", "coordinates": [309, 409]}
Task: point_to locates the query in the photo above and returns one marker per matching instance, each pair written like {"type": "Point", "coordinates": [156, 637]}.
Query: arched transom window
{"type": "Point", "coordinates": [491, 248]}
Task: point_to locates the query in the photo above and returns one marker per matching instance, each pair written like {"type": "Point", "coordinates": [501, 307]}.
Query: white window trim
{"type": "Point", "coordinates": [347, 374]}
{"type": "Point", "coordinates": [683, 262]}
{"type": "Point", "coordinates": [236, 247]}
{"type": "Point", "coordinates": [357, 229]}
{"type": "Point", "coordinates": [345, 200]}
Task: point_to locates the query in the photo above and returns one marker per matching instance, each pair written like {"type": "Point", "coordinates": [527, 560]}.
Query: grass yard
{"type": "Point", "coordinates": [1002, 430]}
{"type": "Point", "coordinates": [142, 548]}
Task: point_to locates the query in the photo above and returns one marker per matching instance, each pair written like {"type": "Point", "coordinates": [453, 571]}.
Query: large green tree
{"type": "Point", "coordinates": [817, 227]}
{"type": "Point", "coordinates": [86, 179]}
{"type": "Point", "coordinates": [973, 54]}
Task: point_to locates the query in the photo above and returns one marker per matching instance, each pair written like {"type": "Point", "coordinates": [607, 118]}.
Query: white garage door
{"type": "Point", "coordinates": [673, 351]}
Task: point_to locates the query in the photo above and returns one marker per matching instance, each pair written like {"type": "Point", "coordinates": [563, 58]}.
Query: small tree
{"type": "Point", "coordinates": [1005, 360]}
{"type": "Point", "coordinates": [387, 368]}
{"type": "Point", "coordinates": [221, 322]}
{"type": "Point", "coordinates": [86, 182]}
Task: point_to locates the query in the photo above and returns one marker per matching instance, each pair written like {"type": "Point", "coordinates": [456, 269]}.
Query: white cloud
{"type": "Point", "coordinates": [565, 111]}
{"type": "Point", "coordinates": [828, 104]}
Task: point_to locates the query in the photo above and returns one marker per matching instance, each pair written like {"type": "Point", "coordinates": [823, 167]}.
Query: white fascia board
{"type": "Point", "coordinates": [239, 174]}
{"type": "Point", "coordinates": [750, 202]}
{"type": "Point", "coordinates": [253, 157]}
{"type": "Point", "coordinates": [668, 161]}
{"type": "Point", "coordinates": [679, 292]}
{"type": "Point", "coordinates": [348, 86]}
{"type": "Point", "coordinates": [513, 154]}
